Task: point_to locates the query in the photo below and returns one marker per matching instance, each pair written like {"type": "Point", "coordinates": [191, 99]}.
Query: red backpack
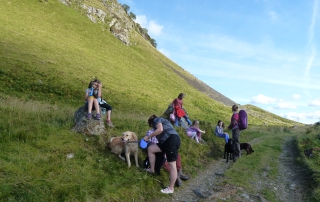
{"type": "Point", "coordinates": [243, 120]}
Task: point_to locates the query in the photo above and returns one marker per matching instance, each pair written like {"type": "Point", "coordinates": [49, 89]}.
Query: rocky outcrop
{"type": "Point", "coordinates": [112, 14]}
{"type": "Point", "coordinates": [87, 127]}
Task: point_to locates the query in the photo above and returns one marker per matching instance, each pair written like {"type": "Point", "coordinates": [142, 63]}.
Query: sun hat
{"type": "Point", "coordinates": [143, 144]}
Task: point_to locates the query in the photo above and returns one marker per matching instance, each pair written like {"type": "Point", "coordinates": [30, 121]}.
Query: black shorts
{"type": "Point", "coordinates": [170, 147]}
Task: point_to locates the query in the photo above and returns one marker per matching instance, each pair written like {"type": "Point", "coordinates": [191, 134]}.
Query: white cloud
{"type": "Point", "coordinates": [152, 27]}
{"type": "Point", "coordinates": [311, 39]}
{"type": "Point", "coordinates": [296, 96]}
{"type": "Point", "coordinates": [142, 20]}
{"type": "Point", "coordinates": [285, 105]}
{"type": "Point", "coordinates": [309, 118]}
{"type": "Point", "coordinates": [164, 52]}
{"type": "Point", "coordinates": [262, 99]}
{"type": "Point", "coordinates": [273, 15]}
{"type": "Point", "coordinates": [315, 102]}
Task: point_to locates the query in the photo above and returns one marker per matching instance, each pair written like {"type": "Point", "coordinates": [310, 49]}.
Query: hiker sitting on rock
{"type": "Point", "coordinates": [91, 100]}
{"type": "Point", "coordinates": [179, 111]}
{"type": "Point", "coordinates": [103, 103]}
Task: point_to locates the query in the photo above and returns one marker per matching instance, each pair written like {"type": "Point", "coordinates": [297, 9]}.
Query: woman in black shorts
{"type": "Point", "coordinates": [169, 143]}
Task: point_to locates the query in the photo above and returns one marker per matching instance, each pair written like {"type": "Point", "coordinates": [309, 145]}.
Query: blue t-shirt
{"type": "Point", "coordinates": [167, 129]}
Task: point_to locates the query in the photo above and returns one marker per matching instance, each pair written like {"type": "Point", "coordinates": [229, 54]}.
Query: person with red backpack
{"type": "Point", "coordinates": [179, 111]}
{"type": "Point", "coordinates": [235, 131]}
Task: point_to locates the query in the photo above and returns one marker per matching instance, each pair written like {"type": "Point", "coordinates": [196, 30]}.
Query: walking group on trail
{"type": "Point", "coordinates": [163, 141]}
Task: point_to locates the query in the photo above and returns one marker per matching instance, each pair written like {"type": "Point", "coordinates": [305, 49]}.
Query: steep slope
{"type": "Point", "coordinates": [50, 51]}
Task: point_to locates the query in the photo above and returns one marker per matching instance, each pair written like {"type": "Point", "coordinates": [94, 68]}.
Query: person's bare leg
{"type": "Point", "coordinates": [109, 115]}
{"type": "Point", "coordinates": [152, 157]}
{"type": "Point", "coordinates": [90, 103]}
{"type": "Point", "coordinates": [173, 174]}
{"type": "Point", "coordinates": [96, 105]}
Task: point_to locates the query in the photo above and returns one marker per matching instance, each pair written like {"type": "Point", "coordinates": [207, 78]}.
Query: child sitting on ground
{"type": "Point", "coordinates": [91, 99]}
{"type": "Point", "coordinates": [219, 131]}
{"type": "Point", "coordinates": [194, 132]}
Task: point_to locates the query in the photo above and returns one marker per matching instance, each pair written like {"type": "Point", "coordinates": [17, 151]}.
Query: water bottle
{"type": "Point", "coordinates": [103, 110]}
{"type": "Point", "coordinates": [91, 92]}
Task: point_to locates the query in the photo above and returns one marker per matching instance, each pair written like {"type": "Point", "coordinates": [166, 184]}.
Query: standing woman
{"type": "Point", "coordinates": [235, 130]}
{"type": "Point", "coordinates": [219, 131]}
{"type": "Point", "coordinates": [179, 111]}
{"type": "Point", "coordinates": [103, 103]}
{"type": "Point", "coordinates": [168, 143]}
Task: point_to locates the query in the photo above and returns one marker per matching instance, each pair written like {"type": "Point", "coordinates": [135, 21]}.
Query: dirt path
{"type": "Point", "coordinates": [291, 184]}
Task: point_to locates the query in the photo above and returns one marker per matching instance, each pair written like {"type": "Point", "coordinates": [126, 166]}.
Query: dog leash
{"type": "Point", "coordinates": [132, 142]}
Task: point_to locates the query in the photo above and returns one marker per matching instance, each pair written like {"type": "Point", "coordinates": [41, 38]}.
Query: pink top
{"type": "Point", "coordinates": [236, 117]}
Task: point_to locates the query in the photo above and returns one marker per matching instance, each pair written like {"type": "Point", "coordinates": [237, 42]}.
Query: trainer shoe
{"type": "Point", "coordinates": [109, 123]}
{"type": "Point", "coordinates": [167, 190]}
{"type": "Point", "coordinates": [98, 117]}
{"type": "Point", "coordinates": [89, 116]}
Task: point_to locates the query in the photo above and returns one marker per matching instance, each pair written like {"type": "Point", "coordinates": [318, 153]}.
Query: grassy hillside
{"type": "Point", "coordinates": [48, 54]}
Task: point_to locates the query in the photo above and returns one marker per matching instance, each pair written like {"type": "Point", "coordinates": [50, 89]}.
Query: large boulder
{"type": "Point", "coordinates": [87, 127]}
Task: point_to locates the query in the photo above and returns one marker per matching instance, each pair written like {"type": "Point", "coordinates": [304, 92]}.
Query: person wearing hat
{"type": "Point", "coordinates": [168, 143]}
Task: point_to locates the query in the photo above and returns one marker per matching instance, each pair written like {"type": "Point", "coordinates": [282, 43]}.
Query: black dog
{"type": "Point", "coordinates": [229, 150]}
{"type": "Point", "coordinates": [308, 153]}
{"type": "Point", "coordinates": [247, 147]}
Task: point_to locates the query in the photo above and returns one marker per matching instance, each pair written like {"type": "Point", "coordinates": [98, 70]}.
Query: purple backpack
{"type": "Point", "coordinates": [243, 120]}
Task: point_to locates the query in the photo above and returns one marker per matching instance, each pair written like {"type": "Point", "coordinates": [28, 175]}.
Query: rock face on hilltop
{"type": "Point", "coordinates": [115, 17]}
{"type": "Point", "coordinates": [111, 14]}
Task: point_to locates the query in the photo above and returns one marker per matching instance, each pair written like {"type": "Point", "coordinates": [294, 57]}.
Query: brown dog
{"type": "Point", "coordinates": [128, 144]}
{"type": "Point", "coordinates": [247, 147]}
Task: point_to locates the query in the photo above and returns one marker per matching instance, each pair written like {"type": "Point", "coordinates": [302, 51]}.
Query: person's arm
{"type": "Point", "coordinates": [86, 95]}
{"type": "Point", "coordinates": [175, 104]}
{"type": "Point", "coordinates": [99, 90]}
{"type": "Point", "coordinates": [232, 123]}
{"type": "Point", "coordinates": [202, 131]}
{"type": "Point", "coordinates": [216, 131]}
{"type": "Point", "coordinates": [155, 133]}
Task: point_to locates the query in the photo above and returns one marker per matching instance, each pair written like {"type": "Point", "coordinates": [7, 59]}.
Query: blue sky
{"type": "Point", "coordinates": [260, 52]}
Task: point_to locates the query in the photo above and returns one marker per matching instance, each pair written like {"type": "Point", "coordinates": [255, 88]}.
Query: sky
{"type": "Point", "coordinates": [259, 52]}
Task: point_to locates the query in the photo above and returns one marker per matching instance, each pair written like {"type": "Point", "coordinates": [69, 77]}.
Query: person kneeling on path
{"type": "Point", "coordinates": [166, 166]}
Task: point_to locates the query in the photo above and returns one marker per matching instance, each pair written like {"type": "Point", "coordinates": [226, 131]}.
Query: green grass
{"type": "Point", "coordinates": [48, 54]}
{"type": "Point", "coordinates": [308, 140]}
{"type": "Point", "coordinates": [34, 164]}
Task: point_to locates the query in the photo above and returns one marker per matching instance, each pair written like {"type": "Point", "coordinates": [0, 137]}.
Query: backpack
{"type": "Point", "coordinates": [243, 120]}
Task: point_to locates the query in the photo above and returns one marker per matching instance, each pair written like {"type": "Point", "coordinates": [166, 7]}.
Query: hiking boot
{"type": "Point", "coordinates": [98, 117]}
{"type": "Point", "coordinates": [178, 182]}
{"type": "Point", "coordinates": [167, 191]}
{"type": "Point", "coordinates": [183, 176]}
{"type": "Point", "coordinates": [89, 116]}
{"type": "Point", "coordinates": [109, 123]}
